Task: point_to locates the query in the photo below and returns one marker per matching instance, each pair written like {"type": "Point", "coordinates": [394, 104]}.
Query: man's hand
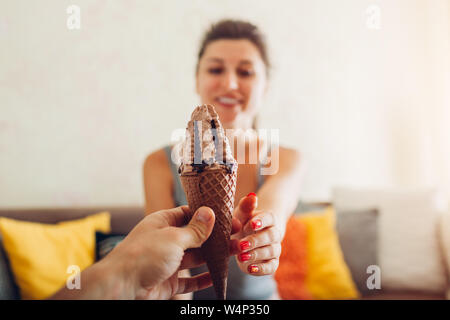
{"type": "Point", "coordinates": [154, 252]}
{"type": "Point", "coordinates": [145, 264]}
{"type": "Point", "coordinates": [161, 245]}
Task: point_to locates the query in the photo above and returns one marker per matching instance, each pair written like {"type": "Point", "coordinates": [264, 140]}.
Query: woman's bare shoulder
{"type": "Point", "coordinates": [157, 164]}
{"type": "Point", "coordinates": [158, 182]}
{"type": "Point", "coordinates": [289, 158]}
{"type": "Point", "coordinates": [290, 153]}
{"type": "Point", "coordinates": [157, 157]}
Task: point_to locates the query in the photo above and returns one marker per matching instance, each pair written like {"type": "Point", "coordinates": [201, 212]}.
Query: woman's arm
{"type": "Point", "coordinates": [158, 188]}
{"type": "Point", "coordinates": [158, 183]}
{"type": "Point", "coordinates": [280, 192]}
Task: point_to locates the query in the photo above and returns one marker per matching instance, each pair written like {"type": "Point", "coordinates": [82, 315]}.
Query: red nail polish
{"type": "Point", "coordinates": [256, 224]}
{"type": "Point", "coordinates": [251, 194]}
{"type": "Point", "coordinates": [244, 245]}
{"type": "Point", "coordinates": [245, 256]}
{"type": "Point", "coordinates": [253, 268]}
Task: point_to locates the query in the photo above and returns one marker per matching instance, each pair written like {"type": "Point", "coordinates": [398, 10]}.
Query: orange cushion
{"type": "Point", "coordinates": [292, 270]}
{"type": "Point", "coordinates": [311, 262]}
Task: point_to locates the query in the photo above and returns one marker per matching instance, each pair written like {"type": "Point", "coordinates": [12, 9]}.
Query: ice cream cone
{"type": "Point", "coordinates": [208, 174]}
{"type": "Point", "coordinates": [215, 189]}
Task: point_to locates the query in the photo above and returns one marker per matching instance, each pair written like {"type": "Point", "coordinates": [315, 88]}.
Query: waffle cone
{"type": "Point", "coordinates": [215, 189]}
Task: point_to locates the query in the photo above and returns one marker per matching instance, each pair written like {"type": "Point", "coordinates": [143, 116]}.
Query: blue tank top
{"type": "Point", "coordinates": [241, 286]}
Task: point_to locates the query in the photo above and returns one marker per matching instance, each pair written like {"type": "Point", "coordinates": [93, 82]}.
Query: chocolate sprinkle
{"type": "Point", "coordinates": [229, 165]}
{"type": "Point", "coordinates": [200, 167]}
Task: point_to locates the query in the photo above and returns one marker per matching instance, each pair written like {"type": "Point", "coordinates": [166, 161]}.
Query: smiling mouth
{"type": "Point", "coordinates": [227, 101]}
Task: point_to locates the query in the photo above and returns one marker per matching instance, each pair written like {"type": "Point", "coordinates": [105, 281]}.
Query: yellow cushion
{"type": "Point", "coordinates": [328, 276]}
{"type": "Point", "coordinates": [41, 253]}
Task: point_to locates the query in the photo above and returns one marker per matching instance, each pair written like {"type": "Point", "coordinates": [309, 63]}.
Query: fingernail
{"type": "Point", "coordinates": [251, 194]}
{"type": "Point", "coordinates": [245, 256]}
{"type": "Point", "coordinates": [253, 268]}
{"type": "Point", "coordinates": [256, 224]}
{"type": "Point", "coordinates": [244, 245]}
{"type": "Point", "coordinates": [203, 215]}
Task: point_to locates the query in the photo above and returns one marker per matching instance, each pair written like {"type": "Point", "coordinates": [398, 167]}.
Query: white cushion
{"type": "Point", "coordinates": [409, 251]}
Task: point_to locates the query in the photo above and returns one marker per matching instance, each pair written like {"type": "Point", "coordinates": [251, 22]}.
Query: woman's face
{"type": "Point", "coordinates": [232, 77]}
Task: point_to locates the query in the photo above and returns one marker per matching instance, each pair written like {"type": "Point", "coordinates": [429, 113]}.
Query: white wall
{"type": "Point", "coordinates": [80, 109]}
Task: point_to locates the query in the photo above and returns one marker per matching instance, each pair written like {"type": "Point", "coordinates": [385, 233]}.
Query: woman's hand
{"type": "Point", "coordinates": [259, 241]}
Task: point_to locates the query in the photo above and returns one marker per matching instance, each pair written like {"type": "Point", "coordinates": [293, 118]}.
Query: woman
{"type": "Point", "coordinates": [232, 72]}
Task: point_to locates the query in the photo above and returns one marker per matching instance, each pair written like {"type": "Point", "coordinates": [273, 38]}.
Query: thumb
{"type": "Point", "coordinates": [198, 229]}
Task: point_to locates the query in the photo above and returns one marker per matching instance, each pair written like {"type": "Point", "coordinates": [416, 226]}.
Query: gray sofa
{"type": "Point", "coordinates": [123, 219]}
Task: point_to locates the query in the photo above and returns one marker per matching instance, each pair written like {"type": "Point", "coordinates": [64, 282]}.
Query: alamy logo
{"type": "Point", "coordinates": [374, 281]}
{"type": "Point", "coordinates": [74, 18]}
{"type": "Point", "coordinates": [373, 20]}
{"type": "Point", "coordinates": [74, 280]}
{"type": "Point", "coordinates": [267, 156]}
